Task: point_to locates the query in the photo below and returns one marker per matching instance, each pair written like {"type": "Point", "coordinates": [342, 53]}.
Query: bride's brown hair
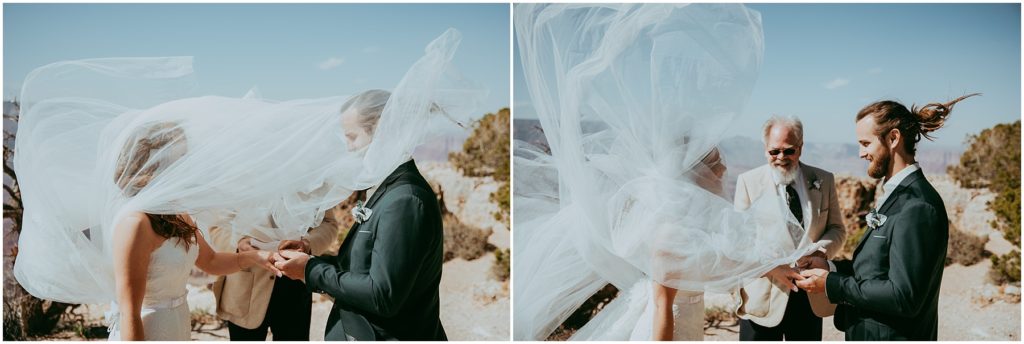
{"type": "Point", "coordinates": [913, 123]}
{"type": "Point", "coordinates": [134, 171]}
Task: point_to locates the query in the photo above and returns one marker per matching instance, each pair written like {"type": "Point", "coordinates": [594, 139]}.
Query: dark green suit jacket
{"type": "Point", "coordinates": [890, 290]}
{"type": "Point", "coordinates": [385, 277]}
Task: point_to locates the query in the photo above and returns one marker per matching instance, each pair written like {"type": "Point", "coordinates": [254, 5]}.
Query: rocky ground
{"type": "Point", "coordinates": [474, 306]}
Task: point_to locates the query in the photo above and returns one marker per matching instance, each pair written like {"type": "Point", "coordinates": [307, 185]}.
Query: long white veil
{"type": "Point", "coordinates": [101, 137]}
{"type": "Point", "coordinates": [632, 99]}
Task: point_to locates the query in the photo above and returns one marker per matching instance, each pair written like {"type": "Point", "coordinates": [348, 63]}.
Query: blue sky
{"type": "Point", "coordinates": [288, 51]}
{"type": "Point", "coordinates": [824, 62]}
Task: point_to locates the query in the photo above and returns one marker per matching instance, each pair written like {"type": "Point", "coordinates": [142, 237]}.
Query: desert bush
{"type": "Point", "coordinates": [201, 317]}
{"type": "Point", "coordinates": [461, 240]}
{"type": "Point", "coordinates": [719, 316]}
{"type": "Point", "coordinates": [992, 160]}
{"type": "Point", "coordinates": [964, 248]}
{"type": "Point", "coordinates": [501, 269]}
{"type": "Point", "coordinates": [1005, 268]}
{"type": "Point", "coordinates": [26, 316]}
{"type": "Point", "coordinates": [464, 241]}
{"type": "Point", "coordinates": [486, 154]}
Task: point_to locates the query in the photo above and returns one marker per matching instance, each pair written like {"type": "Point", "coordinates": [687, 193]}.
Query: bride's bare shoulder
{"type": "Point", "coordinates": [135, 220]}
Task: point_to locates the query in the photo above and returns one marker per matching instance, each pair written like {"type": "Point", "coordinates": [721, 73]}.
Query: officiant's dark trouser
{"type": "Point", "coordinates": [288, 314]}
{"type": "Point", "coordinates": [799, 323]}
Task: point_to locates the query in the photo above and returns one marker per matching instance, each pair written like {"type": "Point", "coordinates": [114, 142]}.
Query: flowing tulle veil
{"type": "Point", "coordinates": [631, 99]}
{"type": "Point", "coordinates": [246, 164]}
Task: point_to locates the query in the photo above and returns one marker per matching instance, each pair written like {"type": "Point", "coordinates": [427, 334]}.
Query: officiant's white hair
{"type": "Point", "coordinates": [788, 121]}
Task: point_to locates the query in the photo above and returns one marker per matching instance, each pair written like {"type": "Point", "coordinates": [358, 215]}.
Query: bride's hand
{"type": "Point", "coordinates": [784, 275]}
{"type": "Point", "coordinates": [260, 258]}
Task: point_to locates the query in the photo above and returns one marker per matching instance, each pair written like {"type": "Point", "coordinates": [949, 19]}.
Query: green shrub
{"type": "Point", "coordinates": [486, 154]}
{"type": "Point", "coordinates": [992, 160]}
{"type": "Point", "coordinates": [1005, 268]}
{"type": "Point", "coordinates": [964, 248]}
{"type": "Point", "coordinates": [464, 241]}
{"type": "Point", "coordinates": [502, 268]}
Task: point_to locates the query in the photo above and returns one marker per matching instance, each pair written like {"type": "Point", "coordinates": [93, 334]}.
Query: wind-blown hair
{"type": "Point", "coordinates": [141, 159]}
{"type": "Point", "coordinates": [913, 123]}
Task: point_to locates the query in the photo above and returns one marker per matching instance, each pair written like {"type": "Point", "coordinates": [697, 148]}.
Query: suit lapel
{"type": "Point", "coordinates": [813, 197]}
{"type": "Point", "coordinates": [913, 177]}
{"type": "Point", "coordinates": [373, 199]}
{"type": "Point", "coordinates": [893, 198]}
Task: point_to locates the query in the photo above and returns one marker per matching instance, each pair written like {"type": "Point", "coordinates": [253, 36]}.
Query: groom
{"type": "Point", "coordinates": [386, 275]}
{"type": "Point", "coordinates": [890, 290]}
{"type": "Point", "coordinates": [770, 310]}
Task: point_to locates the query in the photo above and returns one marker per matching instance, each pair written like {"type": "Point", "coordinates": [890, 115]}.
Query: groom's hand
{"type": "Point", "coordinates": [814, 282]}
{"type": "Point", "coordinates": [814, 260]}
{"type": "Point", "coordinates": [294, 264]}
{"type": "Point", "coordinates": [296, 245]}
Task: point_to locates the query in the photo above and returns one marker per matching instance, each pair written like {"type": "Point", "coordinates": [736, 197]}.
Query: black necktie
{"type": "Point", "coordinates": [794, 203]}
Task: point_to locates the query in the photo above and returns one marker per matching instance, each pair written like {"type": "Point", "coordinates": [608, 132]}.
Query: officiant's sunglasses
{"type": "Point", "coordinates": [785, 152]}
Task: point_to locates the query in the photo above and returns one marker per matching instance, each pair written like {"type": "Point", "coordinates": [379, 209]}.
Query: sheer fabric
{"type": "Point", "coordinates": [102, 137]}
{"type": "Point", "coordinates": [632, 99]}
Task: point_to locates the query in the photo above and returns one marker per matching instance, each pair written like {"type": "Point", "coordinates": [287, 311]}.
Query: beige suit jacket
{"type": "Point", "coordinates": [243, 297]}
{"type": "Point", "coordinates": [764, 302]}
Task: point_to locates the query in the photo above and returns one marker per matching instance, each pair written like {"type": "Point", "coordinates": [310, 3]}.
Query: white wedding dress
{"type": "Point", "coordinates": [165, 312]}
{"type": "Point", "coordinates": [687, 317]}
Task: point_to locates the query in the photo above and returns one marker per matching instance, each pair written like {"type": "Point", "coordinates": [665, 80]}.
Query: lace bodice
{"type": "Point", "coordinates": [169, 269]}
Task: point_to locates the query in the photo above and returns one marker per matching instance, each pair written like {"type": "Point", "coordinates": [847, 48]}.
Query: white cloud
{"type": "Point", "coordinates": [836, 83]}
{"type": "Point", "coordinates": [875, 70]}
{"type": "Point", "coordinates": [370, 49]}
{"type": "Point", "coordinates": [331, 63]}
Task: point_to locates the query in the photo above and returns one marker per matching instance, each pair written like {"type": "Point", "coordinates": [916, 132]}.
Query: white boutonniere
{"type": "Point", "coordinates": [875, 219]}
{"type": "Point", "coordinates": [814, 183]}
{"type": "Point", "coordinates": [361, 213]}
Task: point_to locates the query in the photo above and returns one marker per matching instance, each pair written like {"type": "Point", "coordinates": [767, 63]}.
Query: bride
{"type": "Point", "coordinates": [632, 100]}
{"type": "Point", "coordinates": [153, 253]}
{"type": "Point", "coordinates": [124, 172]}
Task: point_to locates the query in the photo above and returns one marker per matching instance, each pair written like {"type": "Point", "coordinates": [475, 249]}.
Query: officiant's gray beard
{"type": "Point", "coordinates": [783, 175]}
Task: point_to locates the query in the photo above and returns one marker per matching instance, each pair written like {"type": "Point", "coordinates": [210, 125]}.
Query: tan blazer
{"type": "Point", "coordinates": [243, 297]}
{"type": "Point", "coordinates": [763, 302]}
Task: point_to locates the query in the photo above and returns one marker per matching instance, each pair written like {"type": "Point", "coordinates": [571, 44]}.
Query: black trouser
{"type": "Point", "coordinates": [288, 314]}
{"type": "Point", "coordinates": [799, 323]}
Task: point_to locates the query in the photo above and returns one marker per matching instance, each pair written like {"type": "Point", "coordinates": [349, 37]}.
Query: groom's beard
{"type": "Point", "coordinates": [785, 175]}
{"type": "Point", "coordinates": [879, 165]}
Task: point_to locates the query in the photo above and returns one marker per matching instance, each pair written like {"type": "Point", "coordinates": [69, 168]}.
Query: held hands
{"type": "Point", "coordinates": [814, 268]}
{"type": "Point", "coordinates": [292, 263]}
{"type": "Point", "coordinates": [289, 260]}
{"type": "Point", "coordinates": [301, 245]}
{"type": "Point", "coordinates": [814, 260]}
{"type": "Point", "coordinates": [260, 258]}
{"type": "Point", "coordinates": [784, 275]}
{"type": "Point", "coordinates": [815, 280]}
